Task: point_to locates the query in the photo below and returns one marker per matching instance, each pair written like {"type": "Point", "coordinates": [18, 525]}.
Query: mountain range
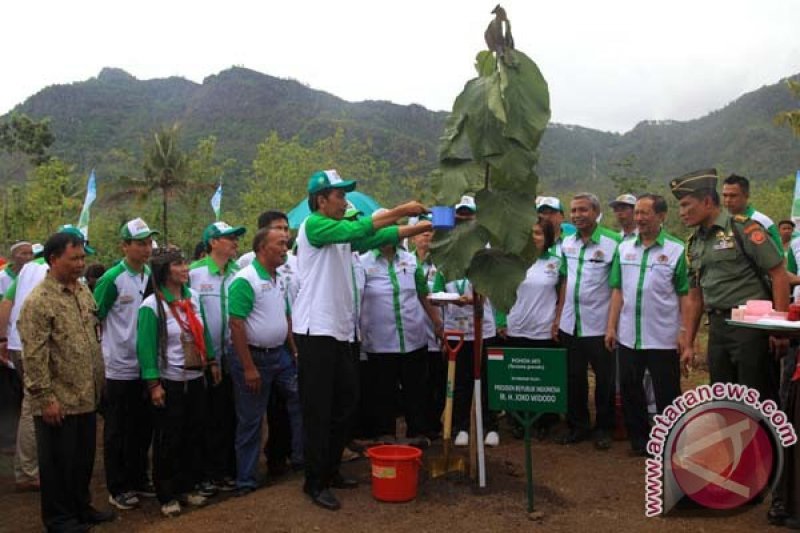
{"type": "Point", "coordinates": [95, 119]}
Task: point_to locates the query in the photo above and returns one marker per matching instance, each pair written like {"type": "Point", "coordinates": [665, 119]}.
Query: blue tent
{"type": "Point", "coordinates": [359, 200]}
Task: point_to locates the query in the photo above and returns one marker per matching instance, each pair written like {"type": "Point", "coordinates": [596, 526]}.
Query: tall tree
{"type": "Point", "coordinates": [165, 170]}
{"type": "Point", "coordinates": [791, 118]}
{"type": "Point", "coordinates": [25, 135]}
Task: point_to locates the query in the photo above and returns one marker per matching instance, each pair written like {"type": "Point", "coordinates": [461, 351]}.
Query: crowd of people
{"type": "Point", "coordinates": [330, 335]}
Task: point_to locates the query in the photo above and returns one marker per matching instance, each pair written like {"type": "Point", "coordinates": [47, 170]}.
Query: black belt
{"type": "Point", "coordinates": [262, 349]}
{"type": "Point", "coordinates": [718, 312]}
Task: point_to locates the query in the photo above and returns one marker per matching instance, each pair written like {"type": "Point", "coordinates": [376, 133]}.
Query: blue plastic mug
{"type": "Point", "coordinates": [444, 217]}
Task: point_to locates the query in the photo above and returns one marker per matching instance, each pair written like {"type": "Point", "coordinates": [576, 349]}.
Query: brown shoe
{"type": "Point", "coordinates": [27, 486]}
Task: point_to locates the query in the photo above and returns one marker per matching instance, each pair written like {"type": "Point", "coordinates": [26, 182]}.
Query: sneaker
{"type": "Point", "coordinates": [206, 489]}
{"type": "Point", "coordinates": [196, 499]}
{"type": "Point", "coordinates": [171, 508]}
{"type": "Point", "coordinates": [124, 501]}
{"type": "Point", "coordinates": [462, 439]}
{"type": "Point", "coordinates": [148, 490]}
{"type": "Point", "coordinates": [226, 484]}
{"type": "Point", "coordinates": [492, 439]}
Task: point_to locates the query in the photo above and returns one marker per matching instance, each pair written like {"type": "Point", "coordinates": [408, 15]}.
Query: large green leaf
{"type": "Point", "coordinates": [484, 130]}
{"type": "Point", "coordinates": [509, 217]}
{"type": "Point", "coordinates": [512, 170]}
{"type": "Point", "coordinates": [452, 251]}
{"type": "Point", "coordinates": [497, 275]}
{"type": "Point", "coordinates": [485, 63]}
{"type": "Point", "coordinates": [454, 178]}
{"type": "Point", "coordinates": [454, 144]}
{"type": "Point", "coordinates": [526, 99]}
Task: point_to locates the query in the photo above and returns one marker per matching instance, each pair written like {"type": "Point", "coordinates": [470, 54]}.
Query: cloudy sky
{"type": "Point", "coordinates": [609, 64]}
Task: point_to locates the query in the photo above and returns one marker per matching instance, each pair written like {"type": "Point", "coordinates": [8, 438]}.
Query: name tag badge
{"type": "Point", "coordinates": [125, 299]}
{"type": "Point", "coordinates": [724, 244]}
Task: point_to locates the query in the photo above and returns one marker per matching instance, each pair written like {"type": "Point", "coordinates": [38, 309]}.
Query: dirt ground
{"type": "Point", "coordinates": [576, 489]}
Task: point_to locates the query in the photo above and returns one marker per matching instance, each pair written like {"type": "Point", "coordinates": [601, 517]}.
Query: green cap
{"type": "Point", "coordinates": [221, 229]}
{"type": "Point", "coordinates": [699, 180]}
{"type": "Point", "coordinates": [136, 230]}
{"type": "Point", "coordinates": [328, 179]}
{"type": "Point", "coordinates": [72, 230]}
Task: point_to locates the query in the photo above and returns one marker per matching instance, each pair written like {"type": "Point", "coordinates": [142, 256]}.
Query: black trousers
{"type": "Point", "coordinates": [220, 429]}
{"type": "Point", "coordinates": [66, 459]}
{"type": "Point", "coordinates": [127, 434]}
{"type": "Point", "coordinates": [437, 391]}
{"type": "Point", "coordinates": [465, 386]}
{"type": "Point", "coordinates": [329, 396]}
{"type": "Point", "coordinates": [788, 489]}
{"type": "Point", "coordinates": [665, 371]}
{"type": "Point", "coordinates": [10, 405]}
{"type": "Point", "coordinates": [408, 371]}
{"type": "Point", "coordinates": [177, 443]}
{"type": "Point", "coordinates": [582, 352]}
{"type": "Point", "coordinates": [278, 447]}
{"type": "Point", "coordinates": [741, 355]}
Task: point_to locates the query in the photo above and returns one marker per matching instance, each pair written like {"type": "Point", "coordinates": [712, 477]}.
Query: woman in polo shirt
{"type": "Point", "coordinates": [529, 322]}
{"type": "Point", "coordinates": [394, 336]}
{"type": "Point", "coordinates": [173, 347]}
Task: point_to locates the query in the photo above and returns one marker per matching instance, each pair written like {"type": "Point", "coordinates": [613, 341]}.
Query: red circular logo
{"type": "Point", "coordinates": [722, 458]}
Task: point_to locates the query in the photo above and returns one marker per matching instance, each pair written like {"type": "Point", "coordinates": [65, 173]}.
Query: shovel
{"type": "Point", "coordinates": [477, 452]}
{"type": "Point", "coordinates": [447, 463]}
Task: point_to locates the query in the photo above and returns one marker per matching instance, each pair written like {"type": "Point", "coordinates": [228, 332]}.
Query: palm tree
{"type": "Point", "coordinates": [165, 170]}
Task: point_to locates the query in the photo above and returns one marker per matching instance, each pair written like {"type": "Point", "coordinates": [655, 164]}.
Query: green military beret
{"type": "Point", "coordinates": [699, 180]}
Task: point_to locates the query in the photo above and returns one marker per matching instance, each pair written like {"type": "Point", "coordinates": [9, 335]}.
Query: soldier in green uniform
{"type": "Point", "coordinates": [730, 260]}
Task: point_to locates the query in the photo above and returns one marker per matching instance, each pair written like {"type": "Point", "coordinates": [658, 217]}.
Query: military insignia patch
{"type": "Point", "coordinates": [757, 237]}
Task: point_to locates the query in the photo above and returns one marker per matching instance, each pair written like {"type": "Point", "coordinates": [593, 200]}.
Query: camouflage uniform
{"type": "Point", "coordinates": [718, 266]}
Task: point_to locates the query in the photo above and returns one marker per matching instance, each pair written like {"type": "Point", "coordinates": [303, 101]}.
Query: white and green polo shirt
{"type": "Point", "coordinates": [793, 258]}
{"type": "Point", "coordinates": [212, 286]}
{"type": "Point", "coordinates": [288, 274]}
{"type": "Point", "coordinates": [769, 225]}
{"type": "Point", "coordinates": [119, 293]}
{"type": "Point", "coordinates": [429, 270]}
{"type": "Point", "coordinates": [651, 279]}
{"type": "Point", "coordinates": [324, 305]}
{"type": "Point", "coordinates": [534, 311]}
{"type": "Point", "coordinates": [7, 277]}
{"type": "Point", "coordinates": [586, 267]}
{"type": "Point", "coordinates": [28, 278]}
{"type": "Point", "coordinates": [460, 318]}
{"type": "Point", "coordinates": [359, 280]}
{"type": "Point", "coordinates": [259, 300]}
{"type": "Point", "coordinates": [392, 317]}
{"type": "Point", "coordinates": [171, 366]}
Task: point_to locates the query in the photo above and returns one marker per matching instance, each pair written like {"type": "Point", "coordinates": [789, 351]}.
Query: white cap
{"type": "Point", "coordinates": [468, 202]}
{"type": "Point", "coordinates": [548, 201]}
{"type": "Point", "coordinates": [624, 199]}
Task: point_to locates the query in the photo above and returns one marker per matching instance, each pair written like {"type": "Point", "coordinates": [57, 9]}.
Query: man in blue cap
{"type": "Point", "coordinates": [322, 322]}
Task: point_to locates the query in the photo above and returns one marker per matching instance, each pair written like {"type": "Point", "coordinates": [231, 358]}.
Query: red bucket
{"type": "Point", "coordinates": [395, 472]}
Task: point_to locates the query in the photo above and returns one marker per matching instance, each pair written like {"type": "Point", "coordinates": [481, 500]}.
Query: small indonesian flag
{"type": "Point", "coordinates": [495, 354]}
